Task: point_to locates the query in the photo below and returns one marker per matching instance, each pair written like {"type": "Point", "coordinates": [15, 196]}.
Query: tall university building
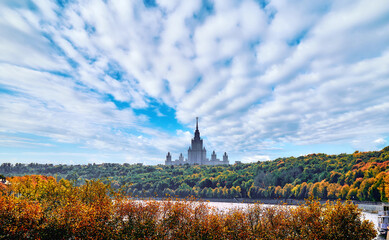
{"type": "Point", "coordinates": [197, 154]}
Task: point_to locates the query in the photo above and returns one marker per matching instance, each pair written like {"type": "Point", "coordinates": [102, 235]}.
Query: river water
{"type": "Point", "coordinates": [368, 215]}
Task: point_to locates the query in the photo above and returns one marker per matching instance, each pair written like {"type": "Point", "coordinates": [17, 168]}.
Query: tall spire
{"type": "Point", "coordinates": [197, 132]}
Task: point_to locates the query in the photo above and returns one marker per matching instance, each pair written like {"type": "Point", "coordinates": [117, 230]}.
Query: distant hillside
{"type": "Point", "coordinates": [358, 176]}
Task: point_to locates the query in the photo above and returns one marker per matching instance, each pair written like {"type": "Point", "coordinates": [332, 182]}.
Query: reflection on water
{"type": "Point", "coordinates": [226, 205]}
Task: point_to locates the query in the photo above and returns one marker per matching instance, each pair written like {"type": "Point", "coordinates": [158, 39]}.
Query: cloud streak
{"type": "Point", "coordinates": [100, 73]}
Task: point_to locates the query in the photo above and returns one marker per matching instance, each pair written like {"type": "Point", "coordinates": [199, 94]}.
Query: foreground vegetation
{"type": "Point", "coordinates": [39, 207]}
{"type": "Point", "coordinates": [359, 176]}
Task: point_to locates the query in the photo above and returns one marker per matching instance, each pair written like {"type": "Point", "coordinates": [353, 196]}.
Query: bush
{"type": "Point", "coordinates": [37, 207]}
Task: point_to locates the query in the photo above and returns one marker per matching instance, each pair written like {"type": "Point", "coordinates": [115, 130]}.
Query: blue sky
{"type": "Point", "coordinates": [122, 81]}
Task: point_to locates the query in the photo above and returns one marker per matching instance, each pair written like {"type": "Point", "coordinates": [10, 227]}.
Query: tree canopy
{"type": "Point", "coordinates": [358, 176]}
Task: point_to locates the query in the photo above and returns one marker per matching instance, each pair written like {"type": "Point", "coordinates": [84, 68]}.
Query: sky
{"type": "Point", "coordinates": [122, 81]}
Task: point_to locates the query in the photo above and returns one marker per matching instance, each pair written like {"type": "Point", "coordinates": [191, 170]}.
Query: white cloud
{"type": "Point", "coordinates": [22, 44]}
{"type": "Point", "coordinates": [380, 141]}
{"type": "Point", "coordinates": [301, 72]}
{"type": "Point", "coordinates": [256, 158]}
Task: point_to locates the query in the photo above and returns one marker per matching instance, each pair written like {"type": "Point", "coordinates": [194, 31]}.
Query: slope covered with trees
{"type": "Point", "coordinates": [359, 176]}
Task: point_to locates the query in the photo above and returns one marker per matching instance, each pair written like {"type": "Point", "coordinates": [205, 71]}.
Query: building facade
{"type": "Point", "coordinates": [197, 154]}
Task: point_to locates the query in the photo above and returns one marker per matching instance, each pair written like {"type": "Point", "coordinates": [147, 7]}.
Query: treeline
{"type": "Point", "coordinates": [358, 176]}
{"type": "Point", "coordinates": [39, 207]}
{"type": "Point", "coordinates": [148, 181]}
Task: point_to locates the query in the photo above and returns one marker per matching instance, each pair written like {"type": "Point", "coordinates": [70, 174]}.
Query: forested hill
{"type": "Point", "coordinates": [359, 176]}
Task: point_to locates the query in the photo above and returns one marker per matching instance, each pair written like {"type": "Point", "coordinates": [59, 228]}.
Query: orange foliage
{"type": "Point", "coordinates": [383, 166]}
{"type": "Point", "coordinates": [368, 165]}
{"type": "Point", "coordinates": [2, 187]}
{"type": "Point", "coordinates": [36, 207]}
{"type": "Point", "coordinates": [359, 165]}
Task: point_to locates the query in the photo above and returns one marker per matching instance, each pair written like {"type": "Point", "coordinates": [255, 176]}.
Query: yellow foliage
{"type": "Point", "coordinates": [36, 207]}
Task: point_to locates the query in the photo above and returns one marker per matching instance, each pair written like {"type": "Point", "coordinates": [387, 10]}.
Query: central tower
{"type": "Point", "coordinates": [196, 152]}
{"type": "Point", "coordinates": [197, 155]}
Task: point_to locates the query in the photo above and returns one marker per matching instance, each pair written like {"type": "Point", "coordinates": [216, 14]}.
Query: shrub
{"type": "Point", "coordinates": [37, 207]}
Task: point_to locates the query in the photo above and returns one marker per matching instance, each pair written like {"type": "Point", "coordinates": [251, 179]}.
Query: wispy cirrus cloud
{"type": "Point", "coordinates": [120, 75]}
